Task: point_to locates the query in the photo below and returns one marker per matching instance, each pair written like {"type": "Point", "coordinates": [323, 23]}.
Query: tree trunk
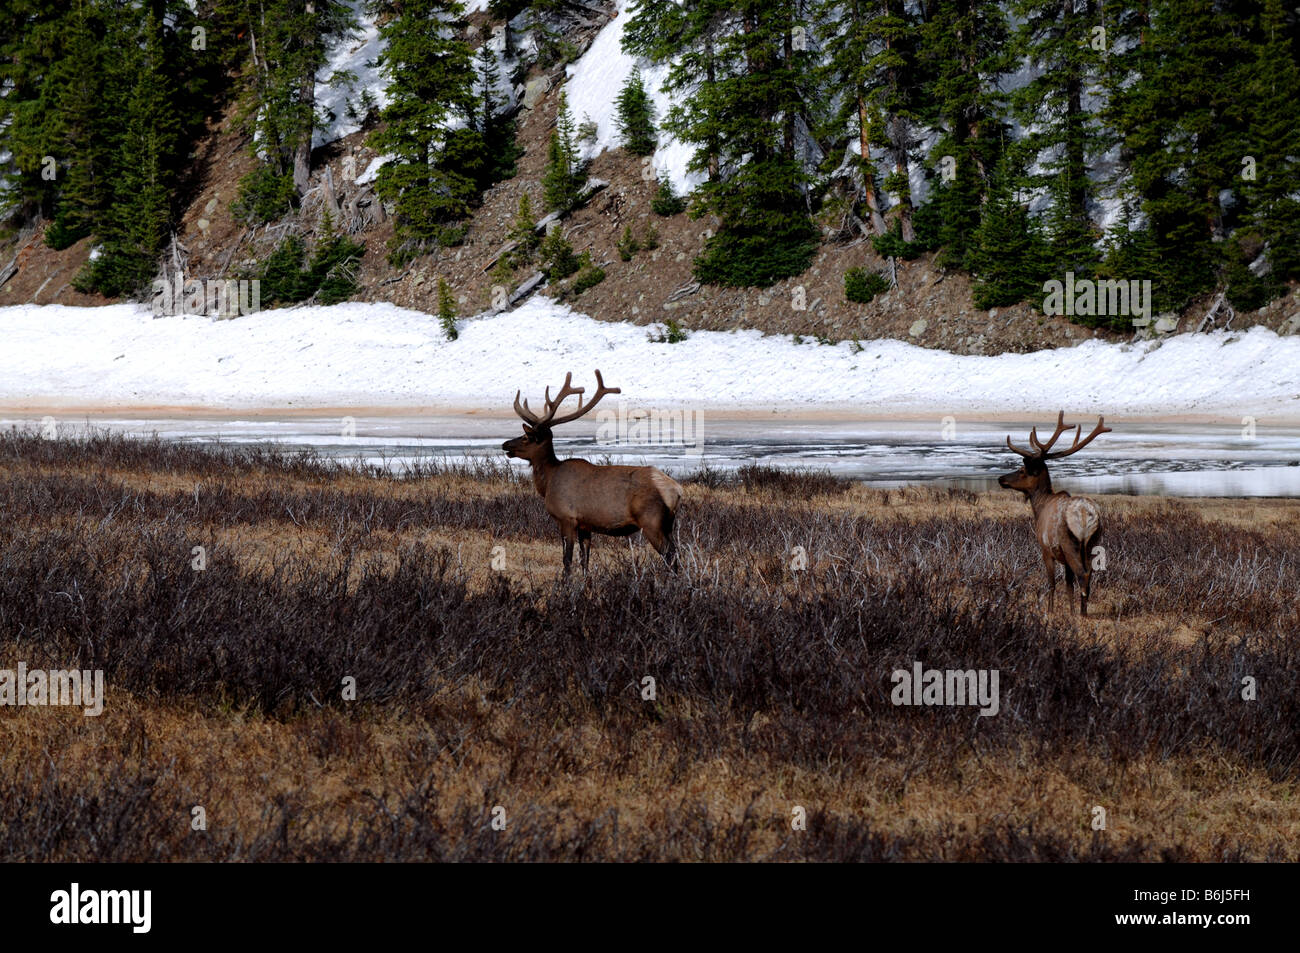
{"type": "Point", "coordinates": [868, 171]}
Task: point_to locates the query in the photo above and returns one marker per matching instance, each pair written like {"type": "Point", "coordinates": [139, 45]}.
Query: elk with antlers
{"type": "Point", "coordinates": [585, 498]}
{"type": "Point", "coordinates": [1067, 526]}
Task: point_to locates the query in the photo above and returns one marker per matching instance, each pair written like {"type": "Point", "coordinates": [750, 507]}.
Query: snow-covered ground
{"type": "Point", "coordinates": [382, 356]}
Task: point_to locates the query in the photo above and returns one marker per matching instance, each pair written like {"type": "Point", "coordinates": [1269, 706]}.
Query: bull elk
{"type": "Point", "coordinates": [1067, 526]}
{"type": "Point", "coordinates": [586, 498]}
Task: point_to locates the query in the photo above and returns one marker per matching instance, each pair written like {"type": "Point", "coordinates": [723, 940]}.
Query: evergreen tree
{"type": "Point", "coordinates": [1009, 254]}
{"type": "Point", "coordinates": [1061, 40]}
{"type": "Point", "coordinates": [635, 116]}
{"type": "Point", "coordinates": [290, 42]}
{"type": "Point", "coordinates": [564, 176]}
{"type": "Point", "coordinates": [1179, 126]}
{"type": "Point", "coordinates": [743, 86]}
{"type": "Point", "coordinates": [136, 226]}
{"type": "Point", "coordinates": [430, 82]}
{"type": "Point", "coordinates": [1273, 143]}
{"type": "Point", "coordinates": [447, 310]}
{"type": "Point", "coordinates": [964, 52]}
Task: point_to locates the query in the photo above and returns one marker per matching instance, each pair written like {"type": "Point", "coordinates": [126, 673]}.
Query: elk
{"type": "Point", "coordinates": [1067, 526]}
{"type": "Point", "coordinates": [586, 498]}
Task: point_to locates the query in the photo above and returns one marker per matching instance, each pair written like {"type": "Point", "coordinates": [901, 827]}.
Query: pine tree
{"type": "Point", "coordinates": [136, 226]}
{"type": "Point", "coordinates": [1009, 252]}
{"type": "Point", "coordinates": [1060, 39]}
{"type": "Point", "coordinates": [743, 85]}
{"type": "Point", "coordinates": [292, 39]}
{"type": "Point", "coordinates": [964, 52]}
{"type": "Point", "coordinates": [564, 176]}
{"type": "Point", "coordinates": [430, 81]}
{"type": "Point", "coordinates": [523, 232]}
{"type": "Point", "coordinates": [1273, 143]}
{"type": "Point", "coordinates": [635, 116]}
{"type": "Point", "coordinates": [1179, 126]}
{"type": "Point", "coordinates": [447, 310]}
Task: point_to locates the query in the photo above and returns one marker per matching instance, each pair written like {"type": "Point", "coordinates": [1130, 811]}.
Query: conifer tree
{"type": "Point", "coordinates": [430, 82]}
{"type": "Point", "coordinates": [564, 175]}
{"type": "Point", "coordinates": [137, 224]}
{"type": "Point", "coordinates": [635, 116]}
{"type": "Point", "coordinates": [1271, 176]}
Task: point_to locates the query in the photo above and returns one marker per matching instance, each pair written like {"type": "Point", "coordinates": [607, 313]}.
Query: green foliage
{"type": "Point", "coordinates": [447, 310]}
{"type": "Point", "coordinates": [524, 232]}
{"type": "Point", "coordinates": [332, 270]}
{"type": "Point", "coordinates": [862, 286]}
{"type": "Point", "coordinates": [628, 244]}
{"type": "Point", "coordinates": [649, 240]}
{"type": "Point", "coordinates": [589, 274]}
{"type": "Point", "coordinates": [330, 274]}
{"type": "Point", "coordinates": [264, 195]}
{"type": "Point", "coordinates": [436, 176]}
{"type": "Point", "coordinates": [891, 244]}
{"type": "Point", "coordinates": [673, 333]}
{"type": "Point", "coordinates": [634, 116]}
{"type": "Point", "coordinates": [1010, 255]}
{"type": "Point", "coordinates": [556, 254]}
{"type": "Point", "coordinates": [766, 232]}
{"type": "Point", "coordinates": [565, 173]}
{"type": "Point", "coordinates": [282, 277]}
{"type": "Point", "coordinates": [666, 201]}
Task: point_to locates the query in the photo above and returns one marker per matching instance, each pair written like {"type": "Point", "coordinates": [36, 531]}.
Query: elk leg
{"type": "Point", "coordinates": [1087, 571]}
{"type": "Point", "coordinates": [1069, 586]}
{"type": "Point", "coordinates": [584, 548]}
{"type": "Point", "coordinates": [1076, 566]}
{"type": "Point", "coordinates": [570, 535]}
{"type": "Point", "coordinates": [1050, 566]}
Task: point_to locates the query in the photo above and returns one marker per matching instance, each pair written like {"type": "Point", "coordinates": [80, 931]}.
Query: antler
{"type": "Point", "coordinates": [1041, 451]}
{"type": "Point", "coordinates": [548, 418]}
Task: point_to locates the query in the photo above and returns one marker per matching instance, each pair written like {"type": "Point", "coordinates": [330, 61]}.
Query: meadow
{"type": "Point", "coordinates": [501, 712]}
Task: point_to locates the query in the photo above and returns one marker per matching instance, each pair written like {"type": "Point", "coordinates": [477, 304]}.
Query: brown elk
{"type": "Point", "coordinates": [1067, 526]}
{"type": "Point", "coordinates": [586, 498]}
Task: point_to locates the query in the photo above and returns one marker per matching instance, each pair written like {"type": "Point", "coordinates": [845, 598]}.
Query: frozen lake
{"type": "Point", "coordinates": [1139, 458]}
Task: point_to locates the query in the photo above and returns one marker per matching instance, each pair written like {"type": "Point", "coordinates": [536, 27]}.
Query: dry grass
{"type": "Point", "coordinates": [481, 688]}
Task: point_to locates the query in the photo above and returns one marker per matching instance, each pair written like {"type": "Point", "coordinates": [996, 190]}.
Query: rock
{"type": "Point", "coordinates": [681, 256]}
{"type": "Point", "coordinates": [918, 327]}
{"type": "Point", "coordinates": [993, 313]}
{"type": "Point", "coordinates": [534, 90]}
{"type": "Point", "coordinates": [210, 207]}
{"type": "Point", "coordinates": [203, 225]}
{"type": "Point", "coordinates": [1292, 325]}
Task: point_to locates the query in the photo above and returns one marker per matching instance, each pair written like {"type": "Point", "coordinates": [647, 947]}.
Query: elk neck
{"type": "Point", "coordinates": [1041, 493]}
{"type": "Point", "coordinates": [543, 466]}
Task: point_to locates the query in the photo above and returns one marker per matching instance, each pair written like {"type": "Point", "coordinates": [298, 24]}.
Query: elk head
{"type": "Point", "coordinates": [584, 498]}
{"type": "Point", "coordinates": [1032, 477]}
{"type": "Point", "coordinates": [1067, 527]}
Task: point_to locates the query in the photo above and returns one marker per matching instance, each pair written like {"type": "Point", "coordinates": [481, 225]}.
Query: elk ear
{"type": "Point", "coordinates": [528, 430]}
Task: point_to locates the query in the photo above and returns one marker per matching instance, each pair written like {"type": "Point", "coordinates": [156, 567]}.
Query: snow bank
{"type": "Point", "coordinates": [380, 355]}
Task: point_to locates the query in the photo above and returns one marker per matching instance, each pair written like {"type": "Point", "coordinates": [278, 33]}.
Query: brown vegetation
{"type": "Point", "coordinates": [479, 687]}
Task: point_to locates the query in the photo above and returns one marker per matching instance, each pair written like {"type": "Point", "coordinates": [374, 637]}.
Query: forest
{"type": "Point", "coordinates": [1017, 141]}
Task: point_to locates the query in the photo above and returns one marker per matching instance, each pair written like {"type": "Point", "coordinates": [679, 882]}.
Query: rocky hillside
{"type": "Point", "coordinates": [928, 306]}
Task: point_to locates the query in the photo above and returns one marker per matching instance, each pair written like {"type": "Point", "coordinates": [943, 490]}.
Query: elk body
{"type": "Point", "coordinates": [1067, 526]}
{"type": "Point", "coordinates": [586, 498]}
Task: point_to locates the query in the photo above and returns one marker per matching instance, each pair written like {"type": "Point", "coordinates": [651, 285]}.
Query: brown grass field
{"type": "Point", "coordinates": [483, 687]}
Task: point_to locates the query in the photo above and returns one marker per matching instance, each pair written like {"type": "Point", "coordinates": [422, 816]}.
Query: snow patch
{"type": "Point", "coordinates": [378, 354]}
